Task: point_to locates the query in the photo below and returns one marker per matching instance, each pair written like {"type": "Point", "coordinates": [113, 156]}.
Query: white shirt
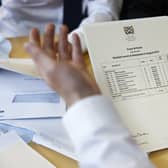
{"type": "Point", "coordinates": [100, 139]}
{"type": "Point", "coordinates": [18, 17]}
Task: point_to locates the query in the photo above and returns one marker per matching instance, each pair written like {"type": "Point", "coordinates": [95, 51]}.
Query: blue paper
{"type": "Point", "coordinates": [25, 134]}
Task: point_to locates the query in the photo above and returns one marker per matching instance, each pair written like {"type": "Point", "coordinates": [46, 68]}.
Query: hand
{"type": "Point", "coordinates": [61, 64]}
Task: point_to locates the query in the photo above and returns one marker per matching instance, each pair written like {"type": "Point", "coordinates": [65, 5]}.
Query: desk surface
{"type": "Point", "coordinates": [160, 158]}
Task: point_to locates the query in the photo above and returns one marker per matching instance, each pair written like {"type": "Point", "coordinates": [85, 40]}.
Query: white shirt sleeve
{"type": "Point", "coordinates": [101, 141]}
{"type": "Point", "coordinates": [98, 11]}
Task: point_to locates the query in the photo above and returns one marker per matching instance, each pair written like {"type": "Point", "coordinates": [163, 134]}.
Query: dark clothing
{"type": "Point", "coordinates": [144, 8]}
{"type": "Point", "coordinates": [73, 14]}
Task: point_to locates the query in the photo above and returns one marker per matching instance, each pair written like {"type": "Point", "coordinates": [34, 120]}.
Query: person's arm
{"type": "Point", "coordinates": [98, 11]}
{"type": "Point", "coordinates": [103, 10]}
{"type": "Point", "coordinates": [100, 139]}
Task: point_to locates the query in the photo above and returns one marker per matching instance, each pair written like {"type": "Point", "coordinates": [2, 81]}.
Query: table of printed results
{"type": "Point", "coordinates": [135, 78]}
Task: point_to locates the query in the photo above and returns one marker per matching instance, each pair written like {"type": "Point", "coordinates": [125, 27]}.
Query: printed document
{"type": "Point", "coordinates": [24, 97]}
{"type": "Point", "coordinates": [130, 63]}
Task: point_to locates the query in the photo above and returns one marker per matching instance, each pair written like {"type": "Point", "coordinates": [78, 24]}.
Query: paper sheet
{"type": "Point", "coordinates": [23, 96]}
{"type": "Point", "coordinates": [24, 133]}
{"type": "Point", "coordinates": [23, 66]}
{"type": "Point", "coordinates": [14, 153]}
{"type": "Point", "coordinates": [47, 132]}
{"type": "Point", "coordinates": [130, 62]}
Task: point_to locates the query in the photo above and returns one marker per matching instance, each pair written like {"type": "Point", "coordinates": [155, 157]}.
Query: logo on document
{"type": "Point", "coordinates": [130, 33]}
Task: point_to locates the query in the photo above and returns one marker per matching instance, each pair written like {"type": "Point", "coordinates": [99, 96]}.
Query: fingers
{"type": "Point", "coordinates": [77, 55]}
{"type": "Point", "coordinates": [63, 45]}
{"type": "Point", "coordinates": [49, 34]}
{"type": "Point", "coordinates": [34, 36]}
{"type": "Point", "coordinates": [39, 56]}
{"type": "Point", "coordinates": [63, 49]}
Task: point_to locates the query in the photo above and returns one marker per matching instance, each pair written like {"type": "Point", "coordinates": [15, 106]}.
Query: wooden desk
{"type": "Point", "coordinates": [160, 158]}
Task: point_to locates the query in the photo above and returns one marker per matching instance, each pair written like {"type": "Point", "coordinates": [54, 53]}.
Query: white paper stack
{"type": "Point", "coordinates": [14, 153]}
{"type": "Point", "coordinates": [24, 97]}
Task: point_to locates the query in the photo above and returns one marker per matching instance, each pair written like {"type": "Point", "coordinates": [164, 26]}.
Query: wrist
{"type": "Point", "coordinates": [74, 97]}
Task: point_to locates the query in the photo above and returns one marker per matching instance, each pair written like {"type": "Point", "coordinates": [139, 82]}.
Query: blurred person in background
{"type": "Point", "coordinates": [144, 8]}
{"type": "Point", "coordinates": [18, 17]}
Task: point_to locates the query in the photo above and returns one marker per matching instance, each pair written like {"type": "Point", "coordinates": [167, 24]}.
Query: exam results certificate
{"type": "Point", "coordinates": [130, 63]}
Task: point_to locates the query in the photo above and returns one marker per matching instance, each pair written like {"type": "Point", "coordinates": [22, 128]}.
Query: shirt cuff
{"type": "Point", "coordinates": [84, 118]}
